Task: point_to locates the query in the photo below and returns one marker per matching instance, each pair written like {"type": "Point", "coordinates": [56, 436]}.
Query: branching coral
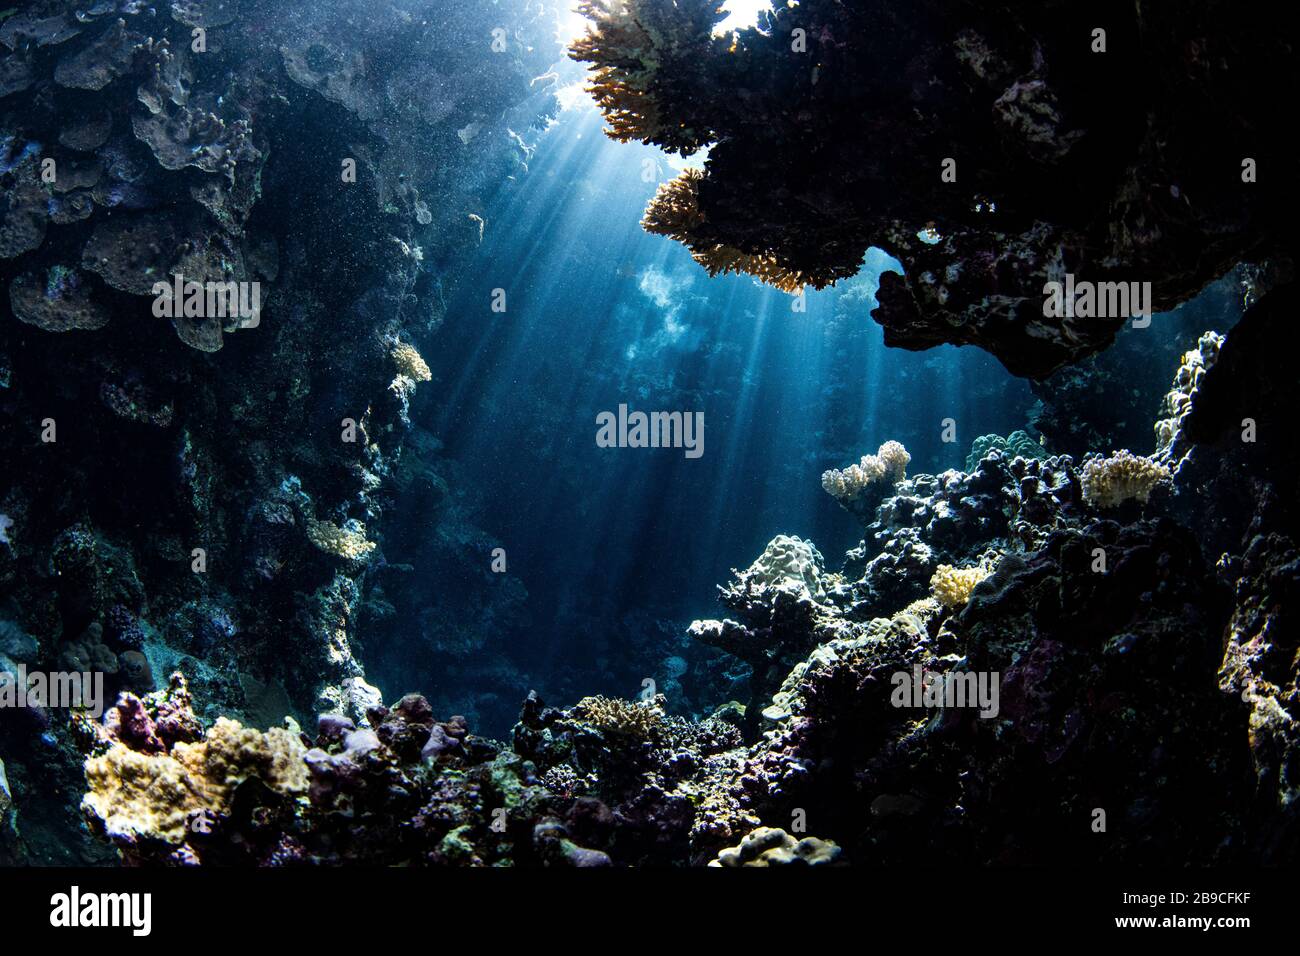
{"type": "Point", "coordinates": [888, 466]}
{"type": "Point", "coordinates": [622, 717]}
{"type": "Point", "coordinates": [410, 363]}
{"type": "Point", "coordinates": [675, 212]}
{"type": "Point", "coordinates": [639, 50]}
{"type": "Point", "coordinates": [1109, 482]}
{"type": "Point", "coordinates": [952, 587]}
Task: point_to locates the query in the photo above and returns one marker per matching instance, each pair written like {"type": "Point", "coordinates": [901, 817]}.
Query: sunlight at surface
{"type": "Point", "coordinates": [742, 13]}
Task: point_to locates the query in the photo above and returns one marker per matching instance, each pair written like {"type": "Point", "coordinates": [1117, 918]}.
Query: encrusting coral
{"type": "Point", "coordinates": [771, 846]}
{"type": "Point", "coordinates": [348, 542]}
{"type": "Point", "coordinates": [1177, 404]}
{"type": "Point", "coordinates": [158, 791]}
{"type": "Point", "coordinates": [1109, 482]}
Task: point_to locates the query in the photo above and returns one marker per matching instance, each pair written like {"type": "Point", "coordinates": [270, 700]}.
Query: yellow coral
{"type": "Point", "coordinates": [153, 795]}
{"type": "Point", "coordinates": [622, 717]}
{"type": "Point", "coordinates": [1108, 482]}
{"type": "Point", "coordinates": [952, 587]}
{"type": "Point", "coordinates": [347, 543]}
{"type": "Point", "coordinates": [719, 259]}
{"type": "Point", "coordinates": [410, 363]}
{"type": "Point", "coordinates": [772, 846]}
{"type": "Point", "coordinates": [631, 44]}
{"type": "Point", "coordinates": [889, 463]}
{"type": "Point", "coordinates": [675, 212]}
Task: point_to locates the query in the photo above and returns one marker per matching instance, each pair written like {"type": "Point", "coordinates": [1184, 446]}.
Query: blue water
{"type": "Point", "coordinates": [598, 313]}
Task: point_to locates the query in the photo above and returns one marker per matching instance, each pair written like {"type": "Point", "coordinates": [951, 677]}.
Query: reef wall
{"type": "Point", "coordinates": [1132, 611]}
{"type": "Point", "coordinates": [186, 490]}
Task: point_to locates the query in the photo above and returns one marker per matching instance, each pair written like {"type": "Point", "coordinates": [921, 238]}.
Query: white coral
{"type": "Point", "coordinates": [1109, 482]}
{"type": "Point", "coordinates": [790, 562]}
{"type": "Point", "coordinates": [889, 463]}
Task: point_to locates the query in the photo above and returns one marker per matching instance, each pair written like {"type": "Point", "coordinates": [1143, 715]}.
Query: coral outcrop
{"type": "Point", "coordinates": [945, 140]}
{"type": "Point", "coordinates": [860, 487]}
{"type": "Point", "coordinates": [1110, 482]}
{"type": "Point", "coordinates": [769, 846]}
{"type": "Point", "coordinates": [1170, 443]}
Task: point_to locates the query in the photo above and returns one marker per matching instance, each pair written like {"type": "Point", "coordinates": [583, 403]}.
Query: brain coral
{"type": "Point", "coordinates": [1109, 482]}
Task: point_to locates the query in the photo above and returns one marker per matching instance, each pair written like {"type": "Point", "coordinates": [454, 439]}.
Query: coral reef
{"type": "Point", "coordinates": [985, 111]}
{"type": "Point", "coordinates": [1016, 445]}
{"type": "Point", "coordinates": [607, 781]}
{"type": "Point", "coordinates": [213, 495]}
{"type": "Point", "coordinates": [1083, 663]}
{"type": "Point", "coordinates": [218, 497]}
{"type": "Point", "coordinates": [1110, 482]}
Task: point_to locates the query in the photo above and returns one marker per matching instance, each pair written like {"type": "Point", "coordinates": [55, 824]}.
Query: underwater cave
{"type": "Point", "coordinates": [647, 434]}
